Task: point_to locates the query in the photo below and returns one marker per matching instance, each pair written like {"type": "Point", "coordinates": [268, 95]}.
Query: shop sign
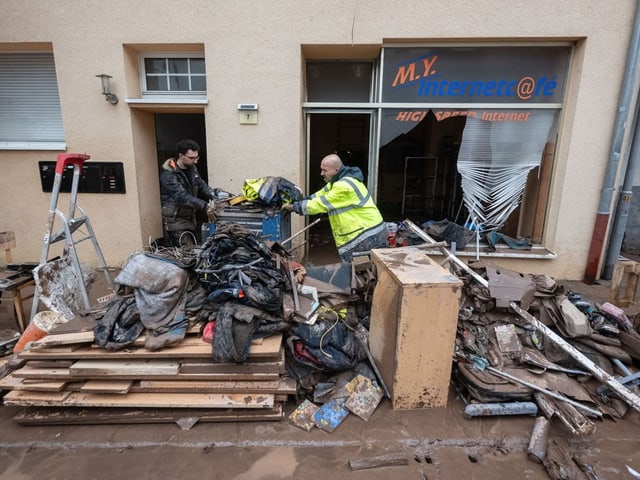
{"type": "Point", "coordinates": [475, 74]}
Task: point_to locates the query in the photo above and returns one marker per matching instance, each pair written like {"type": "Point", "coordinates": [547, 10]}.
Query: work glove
{"type": "Point", "coordinates": [287, 207]}
{"type": "Point", "coordinates": [212, 213]}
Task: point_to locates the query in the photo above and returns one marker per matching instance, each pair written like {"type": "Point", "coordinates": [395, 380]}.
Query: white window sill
{"type": "Point", "coordinates": [58, 146]}
{"type": "Point", "coordinates": [166, 101]}
{"type": "Point", "coordinates": [537, 252]}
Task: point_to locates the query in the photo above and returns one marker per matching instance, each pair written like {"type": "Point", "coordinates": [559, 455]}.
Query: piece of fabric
{"type": "Point", "coordinates": [494, 238]}
{"type": "Point", "coordinates": [120, 325]}
{"type": "Point", "coordinates": [327, 346]}
{"type": "Point", "coordinates": [159, 287]}
{"type": "Point", "coordinates": [446, 231]}
{"type": "Point", "coordinates": [272, 191]}
{"type": "Point", "coordinates": [236, 326]}
{"type": "Point", "coordinates": [353, 215]}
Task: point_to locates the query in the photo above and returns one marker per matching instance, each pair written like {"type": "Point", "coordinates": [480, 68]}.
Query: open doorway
{"type": "Point", "coordinates": [173, 127]}
{"type": "Point", "coordinates": [348, 135]}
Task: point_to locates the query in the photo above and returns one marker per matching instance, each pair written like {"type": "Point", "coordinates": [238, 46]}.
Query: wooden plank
{"type": "Point", "coordinates": [49, 363]}
{"type": "Point", "coordinates": [115, 416]}
{"type": "Point", "coordinates": [64, 374]}
{"type": "Point", "coordinates": [102, 368]}
{"type": "Point", "coordinates": [34, 398]}
{"type": "Point", "coordinates": [140, 400]}
{"type": "Point", "coordinates": [169, 386]}
{"type": "Point", "coordinates": [268, 349]}
{"type": "Point", "coordinates": [107, 386]}
{"type": "Point", "coordinates": [63, 339]}
{"type": "Point", "coordinates": [11, 382]}
{"type": "Point", "coordinates": [265, 367]}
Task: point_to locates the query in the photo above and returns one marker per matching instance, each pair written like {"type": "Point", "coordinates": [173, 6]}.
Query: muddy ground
{"type": "Point", "coordinates": [437, 443]}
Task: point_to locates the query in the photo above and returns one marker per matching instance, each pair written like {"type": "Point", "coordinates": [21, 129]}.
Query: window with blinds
{"type": "Point", "coordinates": [30, 114]}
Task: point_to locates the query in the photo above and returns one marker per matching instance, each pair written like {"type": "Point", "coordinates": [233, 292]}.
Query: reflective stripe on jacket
{"type": "Point", "coordinates": [352, 213]}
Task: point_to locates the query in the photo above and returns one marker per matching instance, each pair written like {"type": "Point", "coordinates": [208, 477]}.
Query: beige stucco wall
{"type": "Point", "coordinates": [253, 54]}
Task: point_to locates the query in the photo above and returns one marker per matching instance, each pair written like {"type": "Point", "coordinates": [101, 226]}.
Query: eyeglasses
{"type": "Point", "coordinates": [195, 159]}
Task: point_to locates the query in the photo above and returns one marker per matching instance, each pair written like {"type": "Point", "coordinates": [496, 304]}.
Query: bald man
{"type": "Point", "coordinates": [356, 223]}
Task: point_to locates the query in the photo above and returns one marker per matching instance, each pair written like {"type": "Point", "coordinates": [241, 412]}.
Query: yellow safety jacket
{"type": "Point", "coordinates": [353, 215]}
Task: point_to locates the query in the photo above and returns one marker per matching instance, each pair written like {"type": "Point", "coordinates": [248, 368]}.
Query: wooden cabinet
{"type": "Point", "coordinates": [414, 316]}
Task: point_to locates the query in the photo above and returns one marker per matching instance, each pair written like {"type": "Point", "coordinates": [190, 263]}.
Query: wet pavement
{"type": "Point", "coordinates": [438, 443]}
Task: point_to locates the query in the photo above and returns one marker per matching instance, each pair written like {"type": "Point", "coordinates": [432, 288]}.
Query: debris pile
{"type": "Point", "coordinates": [501, 357]}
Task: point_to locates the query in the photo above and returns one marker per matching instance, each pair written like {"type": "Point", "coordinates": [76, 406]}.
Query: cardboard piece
{"type": "Point", "coordinates": [302, 416]}
{"type": "Point", "coordinates": [331, 415]}
{"type": "Point", "coordinates": [365, 397]}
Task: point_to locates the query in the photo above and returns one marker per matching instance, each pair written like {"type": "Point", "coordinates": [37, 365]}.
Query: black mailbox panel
{"type": "Point", "coordinates": [96, 177]}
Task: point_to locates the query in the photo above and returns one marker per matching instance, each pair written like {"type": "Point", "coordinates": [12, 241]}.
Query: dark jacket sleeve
{"type": "Point", "coordinates": [205, 190]}
{"type": "Point", "coordinates": [175, 190]}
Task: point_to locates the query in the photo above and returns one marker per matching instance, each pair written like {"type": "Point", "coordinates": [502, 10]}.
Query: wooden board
{"type": "Point", "coordinates": [50, 374]}
{"type": "Point", "coordinates": [188, 348]}
{"type": "Point", "coordinates": [264, 367]}
{"type": "Point", "coordinates": [178, 386]}
{"type": "Point", "coordinates": [107, 368]}
{"type": "Point", "coordinates": [35, 398]}
{"type": "Point", "coordinates": [14, 383]}
{"type": "Point", "coordinates": [63, 339]}
{"type": "Point", "coordinates": [114, 416]}
{"type": "Point", "coordinates": [107, 386]}
{"type": "Point", "coordinates": [139, 400]}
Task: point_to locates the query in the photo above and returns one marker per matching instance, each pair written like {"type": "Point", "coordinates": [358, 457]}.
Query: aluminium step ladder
{"type": "Point", "coordinates": [70, 225]}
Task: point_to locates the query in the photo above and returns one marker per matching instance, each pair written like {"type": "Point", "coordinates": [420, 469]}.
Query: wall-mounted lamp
{"type": "Point", "coordinates": [109, 97]}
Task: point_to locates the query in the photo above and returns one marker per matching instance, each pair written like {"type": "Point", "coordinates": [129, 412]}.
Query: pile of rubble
{"type": "Point", "coordinates": [275, 329]}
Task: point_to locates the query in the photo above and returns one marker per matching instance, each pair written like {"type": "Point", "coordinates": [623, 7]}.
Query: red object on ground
{"type": "Point", "coordinates": [208, 332]}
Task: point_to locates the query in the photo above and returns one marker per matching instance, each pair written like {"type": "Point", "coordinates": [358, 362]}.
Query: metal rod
{"type": "Point", "coordinates": [287, 240]}
{"type": "Point", "coordinates": [600, 374]}
{"type": "Point", "coordinates": [415, 229]}
{"type": "Point", "coordinates": [533, 386]}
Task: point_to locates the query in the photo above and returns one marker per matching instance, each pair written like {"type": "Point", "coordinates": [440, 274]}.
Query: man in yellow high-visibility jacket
{"type": "Point", "coordinates": [356, 222]}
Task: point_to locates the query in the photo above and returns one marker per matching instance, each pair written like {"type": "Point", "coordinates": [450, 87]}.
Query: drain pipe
{"type": "Point", "coordinates": [624, 203]}
{"type": "Point", "coordinates": [602, 217]}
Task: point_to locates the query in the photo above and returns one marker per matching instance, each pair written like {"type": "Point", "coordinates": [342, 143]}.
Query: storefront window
{"type": "Point", "coordinates": [441, 156]}
{"type": "Point", "coordinates": [463, 133]}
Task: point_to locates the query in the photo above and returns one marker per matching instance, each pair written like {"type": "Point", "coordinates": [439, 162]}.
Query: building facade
{"type": "Point", "coordinates": [497, 115]}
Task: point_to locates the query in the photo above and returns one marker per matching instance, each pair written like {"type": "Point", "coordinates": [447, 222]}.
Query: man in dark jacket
{"type": "Point", "coordinates": [183, 193]}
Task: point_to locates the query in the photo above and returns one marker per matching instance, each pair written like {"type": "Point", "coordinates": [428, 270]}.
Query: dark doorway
{"type": "Point", "coordinates": [346, 134]}
{"type": "Point", "coordinates": [173, 127]}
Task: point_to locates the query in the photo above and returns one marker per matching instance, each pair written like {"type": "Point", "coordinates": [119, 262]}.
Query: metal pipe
{"type": "Point", "coordinates": [558, 396]}
{"type": "Point", "coordinates": [449, 257]}
{"type": "Point", "coordinates": [624, 203]}
{"type": "Point", "coordinates": [287, 240]}
{"type": "Point", "coordinates": [600, 374]}
{"type": "Point", "coordinates": [626, 93]}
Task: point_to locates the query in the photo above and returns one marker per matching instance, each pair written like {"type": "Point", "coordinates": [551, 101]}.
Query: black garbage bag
{"type": "Point", "coordinates": [120, 325]}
